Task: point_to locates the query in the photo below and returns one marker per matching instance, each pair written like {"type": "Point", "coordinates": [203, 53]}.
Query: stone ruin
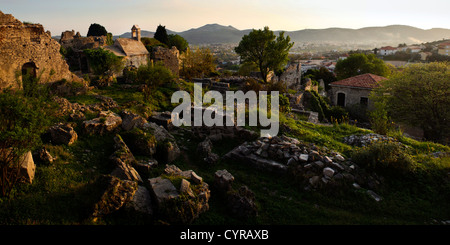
{"type": "Point", "coordinates": [27, 49]}
{"type": "Point", "coordinates": [132, 49]}
{"type": "Point", "coordinates": [169, 57]}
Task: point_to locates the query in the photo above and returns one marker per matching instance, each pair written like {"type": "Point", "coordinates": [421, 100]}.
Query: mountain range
{"type": "Point", "coordinates": [387, 35]}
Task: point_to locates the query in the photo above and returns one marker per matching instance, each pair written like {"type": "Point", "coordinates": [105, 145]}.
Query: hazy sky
{"type": "Point", "coordinates": [118, 16]}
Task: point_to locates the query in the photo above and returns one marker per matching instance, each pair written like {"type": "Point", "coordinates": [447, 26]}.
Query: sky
{"type": "Point", "coordinates": [118, 16]}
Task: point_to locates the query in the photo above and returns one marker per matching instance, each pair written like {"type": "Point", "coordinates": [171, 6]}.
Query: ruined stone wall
{"type": "Point", "coordinates": [170, 58]}
{"type": "Point", "coordinates": [28, 44]}
{"type": "Point", "coordinates": [291, 76]}
{"type": "Point", "coordinates": [78, 43]}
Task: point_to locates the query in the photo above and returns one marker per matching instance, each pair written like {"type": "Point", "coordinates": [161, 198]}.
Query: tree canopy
{"type": "Point", "coordinates": [161, 34]}
{"type": "Point", "coordinates": [177, 41]}
{"type": "Point", "coordinates": [268, 52]}
{"type": "Point", "coordinates": [97, 30]}
{"type": "Point", "coordinates": [359, 63]}
{"type": "Point", "coordinates": [419, 96]}
{"type": "Point", "coordinates": [103, 62]}
{"type": "Point", "coordinates": [199, 62]}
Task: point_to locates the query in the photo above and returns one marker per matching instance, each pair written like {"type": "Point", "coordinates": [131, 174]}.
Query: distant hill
{"type": "Point", "coordinates": [388, 35]}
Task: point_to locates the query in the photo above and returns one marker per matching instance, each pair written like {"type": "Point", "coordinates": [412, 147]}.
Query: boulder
{"type": "Point", "coordinates": [124, 161]}
{"type": "Point", "coordinates": [63, 134]}
{"type": "Point", "coordinates": [162, 118]}
{"type": "Point", "coordinates": [211, 158]}
{"type": "Point", "coordinates": [27, 167]}
{"type": "Point", "coordinates": [117, 193]}
{"type": "Point", "coordinates": [180, 196]}
{"type": "Point", "coordinates": [141, 201]}
{"type": "Point", "coordinates": [122, 152]}
{"type": "Point", "coordinates": [185, 188]}
{"type": "Point", "coordinates": [167, 149]}
{"type": "Point", "coordinates": [223, 180]}
{"type": "Point", "coordinates": [107, 122]}
{"type": "Point", "coordinates": [162, 190]}
{"type": "Point", "coordinates": [43, 156]}
{"type": "Point", "coordinates": [204, 147]}
{"type": "Point", "coordinates": [124, 171]}
{"type": "Point", "coordinates": [131, 120]}
{"type": "Point", "coordinates": [328, 172]}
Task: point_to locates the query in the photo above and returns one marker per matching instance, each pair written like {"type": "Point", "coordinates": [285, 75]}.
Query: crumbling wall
{"type": "Point", "coordinates": [170, 58]}
{"type": "Point", "coordinates": [25, 46]}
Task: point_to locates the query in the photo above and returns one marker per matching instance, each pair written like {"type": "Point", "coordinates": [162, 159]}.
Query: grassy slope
{"type": "Point", "coordinates": [64, 192]}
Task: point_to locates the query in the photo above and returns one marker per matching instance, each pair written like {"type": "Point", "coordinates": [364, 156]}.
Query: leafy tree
{"type": "Point", "coordinates": [268, 52]}
{"type": "Point", "coordinates": [199, 62]}
{"type": "Point", "coordinates": [419, 96]}
{"type": "Point", "coordinates": [22, 120]}
{"type": "Point", "coordinates": [359, 63]}
{"type": "Point", "coordinates": [161, 34]}
{"type": "Point", "coordinates": [97, 30]}
{"type": "Point", "coordinates": [177, 41]}
{"type": "Point", "coordinates": [103, 62]}
{"type": "Point", "coordinates": [153, 76]}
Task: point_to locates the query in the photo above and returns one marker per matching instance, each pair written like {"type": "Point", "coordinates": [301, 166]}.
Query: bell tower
{"type": "Point", "coordinates": [136, 33]}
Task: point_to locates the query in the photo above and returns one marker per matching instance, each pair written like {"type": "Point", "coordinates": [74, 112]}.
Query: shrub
{"type": "Point", "coordinates": [103, 62]}
{"type": "Point", "coordinates": [153, 76]}
{"type": "Point", "coordinates": [337, 114]}
{"type": "Point", "coordinates": [22, 121]}
{"type": "Point", "coordinates": [387, 157]}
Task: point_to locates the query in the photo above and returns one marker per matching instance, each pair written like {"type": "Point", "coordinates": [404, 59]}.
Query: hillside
{"type": "Point", "coordinates": [387, 35]}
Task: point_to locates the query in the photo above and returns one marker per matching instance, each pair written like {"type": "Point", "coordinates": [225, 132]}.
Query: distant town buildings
{"type": "Point", "coordinates": [444, 49]}
{"type": "Point", "coordinates": [388, 50]}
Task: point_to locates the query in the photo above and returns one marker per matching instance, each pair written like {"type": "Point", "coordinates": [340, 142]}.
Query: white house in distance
{"type": "Point", "coordinates": [388, 50]}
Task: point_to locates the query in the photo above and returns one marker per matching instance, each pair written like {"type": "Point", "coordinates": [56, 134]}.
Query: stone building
{"type": "Point", "coordinates": [132, 49]}
{"type": "Point", "coordinates": [76, 42]}
{"type": "Point", "coordinates": [26, 49]}
{"type": "Point", "coordinates": [354, 90]}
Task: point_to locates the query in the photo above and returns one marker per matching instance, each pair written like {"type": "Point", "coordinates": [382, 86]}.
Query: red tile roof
{"type": "Point", "coordinates": [443, 45]}
{"type": "Point", "coordinates": [361, 81]}
{"type": "Point", "coordinates": [388, 48]}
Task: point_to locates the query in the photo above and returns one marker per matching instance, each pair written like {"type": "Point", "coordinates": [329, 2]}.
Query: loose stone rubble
{"type": "Point", "coordinates": [315, 168]}
{"type": "Point", "coordinates": [364, 140]}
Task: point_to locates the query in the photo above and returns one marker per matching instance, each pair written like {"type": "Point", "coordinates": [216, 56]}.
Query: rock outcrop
{"type": "Point", "coordinates": [180, 196]}
{"type": "Point", "coordinates": [107, 122]}
{"type": "Point", "coordinates": [63, 134]}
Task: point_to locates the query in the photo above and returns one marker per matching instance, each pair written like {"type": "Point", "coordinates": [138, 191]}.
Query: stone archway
{"type": "Point", "coordinates": [29, 76]}
{"type": "Point", "coordinates": [29, 68]}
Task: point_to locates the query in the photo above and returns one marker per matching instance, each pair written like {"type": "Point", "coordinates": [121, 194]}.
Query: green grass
{"type": "Point", "coordinates": [329, 136]}
{"type": "Point", "coordinates": [65, 191]}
